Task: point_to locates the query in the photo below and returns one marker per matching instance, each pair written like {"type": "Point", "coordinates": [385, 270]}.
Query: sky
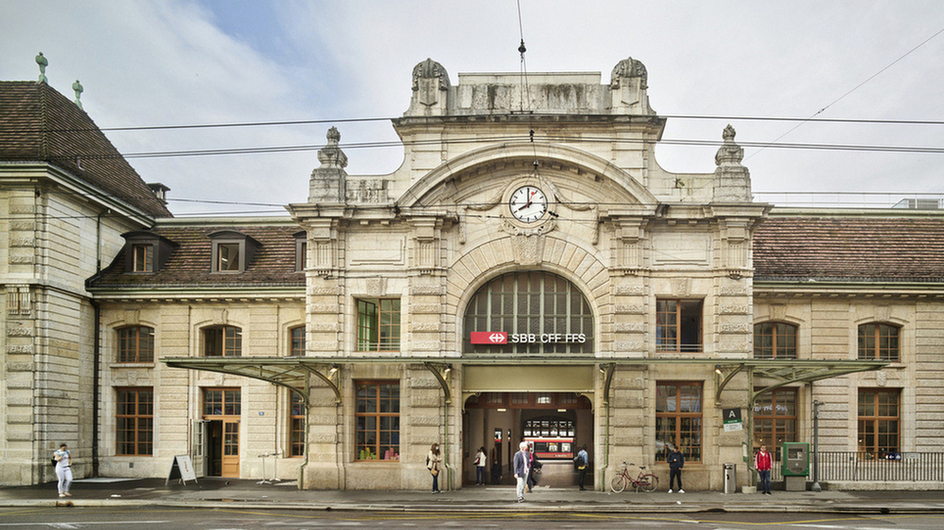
{"type": "Point", "coordinates": [185, 62]}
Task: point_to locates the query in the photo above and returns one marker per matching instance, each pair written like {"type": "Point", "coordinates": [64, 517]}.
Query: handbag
{"type": "Point", "coordinates": [434, 471]}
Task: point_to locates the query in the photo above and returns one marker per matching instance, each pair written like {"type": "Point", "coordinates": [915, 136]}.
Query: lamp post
{"type": "Point", "coordinates": [816, 486]}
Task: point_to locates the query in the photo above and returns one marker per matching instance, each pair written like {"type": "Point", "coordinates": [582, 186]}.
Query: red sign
{"type": "Point", "coordinates": [489, 337]}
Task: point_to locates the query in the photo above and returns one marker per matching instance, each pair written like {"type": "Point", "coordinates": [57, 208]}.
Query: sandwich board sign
{"type": "Point", "coordinates": [732, 420]}
{"type": "Point", "coordinates": [182, 469]}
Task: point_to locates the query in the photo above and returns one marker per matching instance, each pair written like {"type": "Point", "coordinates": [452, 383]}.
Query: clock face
{"type": "Point", "coordinates": [528, 204]}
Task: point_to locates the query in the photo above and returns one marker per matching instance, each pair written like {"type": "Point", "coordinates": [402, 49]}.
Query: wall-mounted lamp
{"type": "Point", "coordinates": [447, 369]}
{"type": "Point", "coordinates": [333, 370]}
{"type": "Point", "coordinates": [718, 370]}
{"type": "Point", "coordinates": [602, 370]}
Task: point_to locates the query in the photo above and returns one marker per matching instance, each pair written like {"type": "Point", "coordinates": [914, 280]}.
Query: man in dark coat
{"type": "Point", "coordinates": [676, 463]}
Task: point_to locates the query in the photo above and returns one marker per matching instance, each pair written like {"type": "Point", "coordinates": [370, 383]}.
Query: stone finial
{"type": "Point", "coordinates": [77, 87]}
{"type": "Point", "coordinates": [43, 63]}
{"type": "Point", "coordinates": [729, 153]}
{"type": "Point", "coordinates": [732, 181]}
{"type": "Point", "coordinates": [627, 68]}
{"type": "Point", "coordinates": [328, 183]}
{"type": "Point", "coordinates": [331, 156]}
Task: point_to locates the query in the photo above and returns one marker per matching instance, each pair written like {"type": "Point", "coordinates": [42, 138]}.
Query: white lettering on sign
{"type": "Point", "coordinates": [547, 338]}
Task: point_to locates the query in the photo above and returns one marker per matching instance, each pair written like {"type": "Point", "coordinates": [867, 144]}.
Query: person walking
{"type": "Point", "coordinates": [520, 467]}
{"type": "Point", "coordinates": [583, 462]}
{"type": "Point", "coordinates": [480, 461]}
{"type": "Point", "coordinates": [63, 470]}
{"type": "Point", "coordinates": [762, 463]}
{"type": "Point", "coordinates": [676, 463]}
{"type": "Point", "coordinates": [534, 467]}
{"type": "Point", "coordinates": [432, 464]}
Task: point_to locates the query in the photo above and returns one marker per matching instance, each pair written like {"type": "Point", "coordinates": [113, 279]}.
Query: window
{"type": "Point", "coordinates": [878, 342]}
{"type": "Point", "coordinates": [541, 313]}
{"type": "Point", "coordinates": [136, 344]}
{"type": "Point", "coordinates": [678, 325]}
{"type": "Point", "coordinates": [142, 258]}
{"type": "Point", "coordinates": [134, 418]}
{"type": "Point", "coordinates": [222, 341]}
{"type": "Point", "coordinates": [775, 418]}
{"type": "Point", "coordinates": [232, 251]}
{"type": "Point", "coordinates": [227, 257]}
{"type": "Point", "coordinates": [378, 325]}
{"type": "Point", "coordinates": [222, 402]}
{"type": "Point", "coordinates": [297, 426]}
{"type": "Point", "coordinates": [301, 250]}
{"type": "Point", "coordinates": [377, 417]}
{"type": "Point", "coordinates": [775, 340]}
{"type": "Point", "coordinates": [296, 346]}
{"type": "Point", "coordinates": [678, 419]}
{"type": "Point", "coordinates": [878, 421]}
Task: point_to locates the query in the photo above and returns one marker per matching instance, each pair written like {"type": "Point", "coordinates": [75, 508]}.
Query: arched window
{"type": "Point", "coordinates": [775, 340]}
{"type": "Point", "coordinates": [135, 344]}
{"type": "Point", "coordinates": [536, 313]}
{"type": "Point", "coordinates": [879, 342]}
{"type": "Point", "coordinates": [222, 341]}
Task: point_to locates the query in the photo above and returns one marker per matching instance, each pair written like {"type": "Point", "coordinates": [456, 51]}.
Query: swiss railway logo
{"type": "Point", "coordinates": [489, 337]}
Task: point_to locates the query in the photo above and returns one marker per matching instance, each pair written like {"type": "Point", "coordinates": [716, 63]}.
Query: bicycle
{"type": "Point", "coordinates": [644, 481]}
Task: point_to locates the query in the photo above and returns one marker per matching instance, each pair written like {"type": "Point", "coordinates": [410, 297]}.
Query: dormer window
{"type": "Point", "coordinates": [301, 250]}
{"type": "Point", "coordinates": [232, 251]}
{"type": "Point", "coordinates": [142, 258]}
{"type": "Point", "coordinates": [146, 252]}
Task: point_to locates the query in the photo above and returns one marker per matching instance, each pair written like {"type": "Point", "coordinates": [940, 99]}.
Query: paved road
{"type": "Point", "coordinates": [166, 518]}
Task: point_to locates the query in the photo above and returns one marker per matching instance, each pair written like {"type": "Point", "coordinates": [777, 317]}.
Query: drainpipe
{"type": "Point", "coordinates": [96, 387]}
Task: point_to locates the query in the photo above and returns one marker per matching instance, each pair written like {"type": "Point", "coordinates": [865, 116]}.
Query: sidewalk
{"type": "Point", "coordinates": [223, 493]}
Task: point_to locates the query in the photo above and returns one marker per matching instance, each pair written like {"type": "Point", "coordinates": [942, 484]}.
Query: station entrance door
{"type": "Point", "coordinates": [555, 424]}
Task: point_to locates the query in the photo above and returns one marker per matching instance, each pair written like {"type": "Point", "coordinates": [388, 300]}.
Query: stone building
{"type": "Point", "coordinates": [529, 272]}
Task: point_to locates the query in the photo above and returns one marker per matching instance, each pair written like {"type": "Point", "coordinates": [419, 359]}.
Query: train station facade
{"type": "Point", "coordinates": [529, 273]}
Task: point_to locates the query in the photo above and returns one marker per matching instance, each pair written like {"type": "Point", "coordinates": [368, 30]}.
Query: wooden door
{"type": "Point", "coordinates": [230, 460]}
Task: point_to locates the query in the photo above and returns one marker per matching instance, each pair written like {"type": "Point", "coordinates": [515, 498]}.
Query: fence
{"type": "Point", "coordinates": [890, 467]}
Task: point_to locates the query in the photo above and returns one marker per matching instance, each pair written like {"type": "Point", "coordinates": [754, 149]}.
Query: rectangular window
{"type": "Point", "coordinates": [135, 345]}
{"type": "Point", "coordinates": [227, 257]}
{"type": "Point", "coordinates": [678, 419]}
{"type": "Point", "coordinates": [775, 340]}
{"type": "Point", "coordinates": [378, 324]}
{"type": "Point", "coordinates": [134, 418]}
{"type": "Point", "coordinates": [878, 422]}
{"type": "Point", "coordinates": [775, 419]}
{"type": "Point", "coordinates": [878, 342]}
{"type": "Point", "coordinates": [142, 258]}
{"type": "Point", "coordinates": [377, 419]}
{"type": "Point", "coordinates": [297, 341]}
{"type": "Point", "coordinates": [222, 341]}
{"type": "Point", "coordinates": [678, 325]}
{"type": "Point", "coordinates": [297, 429]}
{"type": "Point", "coordinates": [301, 251]}
{"type": "Point", "coordinates": [222, 402]}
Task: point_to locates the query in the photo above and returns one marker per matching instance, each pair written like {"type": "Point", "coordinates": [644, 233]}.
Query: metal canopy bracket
{"type": "Point", "coordinates": [441, 372]}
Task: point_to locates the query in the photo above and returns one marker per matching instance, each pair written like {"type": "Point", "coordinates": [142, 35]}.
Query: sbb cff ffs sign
{"type": "Point", "coordinates": [500, 337]}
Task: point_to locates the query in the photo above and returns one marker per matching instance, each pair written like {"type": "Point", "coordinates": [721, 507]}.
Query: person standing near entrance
{"type": "Point", "coordinates": [762, 463]}
{"type": "Point", "coordinates": [432, 464]}
{"type": "Point", "coordinates": [583, 462]}
{"type": "Point", "coordinates": [676, 463]}
{"type": "Point", "coordinates": [480, 461]}
{"type": "Point", "coordinates": [63, 470]}
{"type": "Point", "coordinates": [520, 466]}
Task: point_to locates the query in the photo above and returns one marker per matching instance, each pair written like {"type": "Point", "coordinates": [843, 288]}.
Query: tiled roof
{"type": "Point", "coordinates": [38, 124]}
{"type": "Point", "coordinates": [847, 248]}
{"type": "Point", "coordinates": [189, 264]}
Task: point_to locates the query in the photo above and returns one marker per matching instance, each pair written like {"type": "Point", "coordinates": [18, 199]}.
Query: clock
{"type": "Point", "coordinates": [528, 204]}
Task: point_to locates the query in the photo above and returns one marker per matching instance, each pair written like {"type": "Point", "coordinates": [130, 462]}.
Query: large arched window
{"type": "Point", "coordinates": [530, 312]}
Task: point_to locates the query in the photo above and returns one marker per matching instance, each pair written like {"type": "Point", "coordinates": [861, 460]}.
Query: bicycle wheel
{"type": "Point", "coordinates": [648, 482]}
{"type": "Point", "coordinates": [618, 484]}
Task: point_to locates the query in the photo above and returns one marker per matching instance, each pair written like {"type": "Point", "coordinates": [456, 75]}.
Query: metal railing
{"type": "Point", "coordinates": [888, 467]}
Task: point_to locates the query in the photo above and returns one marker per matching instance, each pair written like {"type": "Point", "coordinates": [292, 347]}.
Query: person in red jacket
{"type": "Point", "coordinates": [762, 463]}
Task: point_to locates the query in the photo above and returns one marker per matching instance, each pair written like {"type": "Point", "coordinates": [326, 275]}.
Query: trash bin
{"type": "Point", "coordinates": [730, 478]}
